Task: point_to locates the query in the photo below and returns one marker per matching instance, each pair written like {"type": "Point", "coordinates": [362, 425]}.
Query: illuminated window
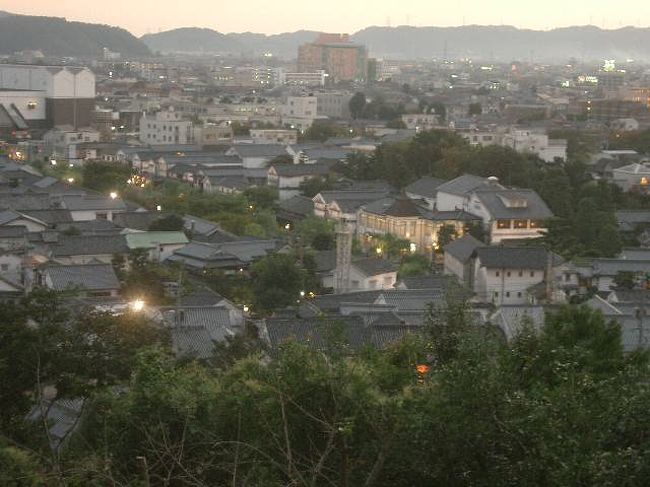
{"type": "Point", "coordinates": [521, 223]}
{"type": "Point", "coordinates": [31, 105]}
{"type": "Point", "coordinates": [644, 181]}
{"type": "Point", "coordinates": [504, 224]}
{"type": "Point", "coordinates": [537, 224]}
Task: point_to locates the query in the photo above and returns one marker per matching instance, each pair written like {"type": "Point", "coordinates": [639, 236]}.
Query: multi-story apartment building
{"type": "Point", "coordinates": [335, 54]}
{"type": "Point", "coordinates": [164, 128]}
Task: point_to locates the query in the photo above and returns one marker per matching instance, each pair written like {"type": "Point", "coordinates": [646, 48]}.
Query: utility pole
{"type": "Point", "coordinates": [343, 257]}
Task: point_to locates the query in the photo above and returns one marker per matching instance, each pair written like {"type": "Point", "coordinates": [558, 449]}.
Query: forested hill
{"type": "Point", "coordinates": [498, 43]}
{"type": "Point", "coordinates": [57, 37]}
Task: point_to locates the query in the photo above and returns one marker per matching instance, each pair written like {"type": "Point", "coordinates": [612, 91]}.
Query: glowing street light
{"type": "Point", "coordinates": [246, 308]}
{"type": "Point", "coordinates": [302, 294]}
{"type": "Point", "coordinates": [158, 208]}
{"type": "Point", "coordinates": [113, 195]}
{"type": "Point", "coordinates": [137, 305]}
{"type": "Point", "coordinates": [71, 180]}
{"type": "Point", "coordinates": [53, 162]}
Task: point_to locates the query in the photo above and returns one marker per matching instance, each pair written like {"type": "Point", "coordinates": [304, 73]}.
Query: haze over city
{"type": "Point", "coordinates": [148, 16]}
{"type": "Point", "coordinates": [376, 243]}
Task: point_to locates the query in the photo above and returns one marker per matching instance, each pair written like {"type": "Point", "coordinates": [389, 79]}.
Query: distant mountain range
{"type": "Point", "coordinates": [498, 43]}
{"type": "Point", "coordinates": [58, 37]}
{"type": "Point", "coordinates": [197, 40]}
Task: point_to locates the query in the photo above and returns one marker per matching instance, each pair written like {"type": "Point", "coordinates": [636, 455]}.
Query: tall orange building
{"type": "Point", "coordinates": [339, 57]}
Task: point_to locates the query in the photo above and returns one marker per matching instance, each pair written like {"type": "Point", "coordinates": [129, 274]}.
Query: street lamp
{"type": "Point", "coordinates": [71, 180]}
{"type": "Point", "coordinates": [113, 195]}
{"type": "Point", "coordinates": [137, 305]}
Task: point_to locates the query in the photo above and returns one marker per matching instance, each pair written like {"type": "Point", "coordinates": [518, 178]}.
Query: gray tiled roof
{"type": "Point", "coordinates": [317, 332]}
{"type": "Point", "coordinates": [426, 187]}
{"type": "Point", "coordinates": [81, 203]}
{"type": "Point", "coordinates": [434, 281]}
{"type": "Point", "coordinates": [372, 266]}
{"type": "Point", "coordinates": [201, 297]}
{"type": "Point", "coordinates": [136, 220]}
{"type": "Point", "coordinates": [260, 150]}
{"type": "Point", "coordinates": [510, 319]}
{"type": "Point", "coordinates": [462, 185]}
{"type": "Point", "coordinates": [92, 277]}
{"type": "Point", "coordinates": [51, 217]}
{"type": "Point", "coordinates": [462, 248]}
{"type": "Point", "coordinates": [493, 200]}
{"type": "Point", "coordinates": [196, 330]}
{"type": "Point", "coordinates": [297, 205]}
{"type": "Point", "coordinates": [90, 245]}
{"type": "Point", "coordinates": [89, 227]}
{"type": "Point", "coordinates": [292, 170]}
{"type": "Point", "coordinates": [628, 219]}
{"type": "Point", "coordinates": [500, 257]}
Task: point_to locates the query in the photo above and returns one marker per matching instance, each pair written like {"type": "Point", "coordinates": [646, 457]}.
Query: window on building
{"type": "Point", "coordinates": [498, 273]}
{"type": "Point", "coordinates": [532, 273]}
{"type": "Point", "coordinates": [31, 105]}
{"type": "Point", "coordinates": [537, 224]}
{"type": "Point", "coordinates": [496, 294]}
{"type": "Point", "coordinates": [507, 294]}
{"type": "Point", "coordinates": [102, 216]}
{"type": "Point", "coordinates": [521, 223]}
{"type": "Point", "coordinates": [519, 294]}
{"type": "Point", "coordinates": [521, 273]}
{"type": "Point", "coordinates": [502, 224]}
{"type": "Point", "coordinates": [508, 273]}
{"type": "Point", "coordinates": [4, 267]}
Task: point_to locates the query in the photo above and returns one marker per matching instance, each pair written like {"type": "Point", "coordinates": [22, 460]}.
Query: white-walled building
{"type": "Point", "coordinates": [66, 94]}
{"type": "Point", "coordinates": [507, 214]}
{"type": "Point", "coordinates": [165, 128]}
{"type": "Point", "coordinates": [536, 143]}
{"type": "Point", "coordinates": [63, 143]}
{"type": "Point", "coordinates": [299, 112]}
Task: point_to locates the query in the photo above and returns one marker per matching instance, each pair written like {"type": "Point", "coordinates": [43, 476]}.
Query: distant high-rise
{"type": "Point", "coordinates": [339, 57]}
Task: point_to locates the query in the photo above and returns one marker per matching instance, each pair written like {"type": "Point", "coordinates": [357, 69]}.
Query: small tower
{"type": "Point", "coordinates": [343, 257]}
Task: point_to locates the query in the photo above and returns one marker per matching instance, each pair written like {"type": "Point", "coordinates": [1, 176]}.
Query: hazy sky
{"type": "Point", "coordinates": [273, 16]}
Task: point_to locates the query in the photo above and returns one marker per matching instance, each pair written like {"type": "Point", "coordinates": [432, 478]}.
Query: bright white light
{"type": "Point", "coordinates": [158, 208]}
{"type": "Point", "coordinates": [71, 180]}
{"type": "Point", "coordinates": [246, 309]}
{"type": "Point", "coordinates": [53, 162]}
{"type": "Point", "coordinates": [302, 294]}
{"type": "Point", "coordinates": [413, 247]}
{"type": "Point", "coordinates": [113, 195]}
{"type": "Point", "coordinates": [137, 305]}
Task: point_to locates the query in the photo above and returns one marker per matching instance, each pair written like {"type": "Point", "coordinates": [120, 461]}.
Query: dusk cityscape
{"type": "Point", "coordinates": [370, 244]}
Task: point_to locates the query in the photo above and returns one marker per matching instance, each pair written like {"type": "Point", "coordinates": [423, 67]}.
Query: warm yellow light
{"type": "Point", "coordinates": [378, 250]}
{"type": "Point", "coordinates": [71, 180]}
{"type": "Point", "coordinates": [113, 195]}
{"type": "Point", "coordinates": [137, 305]}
